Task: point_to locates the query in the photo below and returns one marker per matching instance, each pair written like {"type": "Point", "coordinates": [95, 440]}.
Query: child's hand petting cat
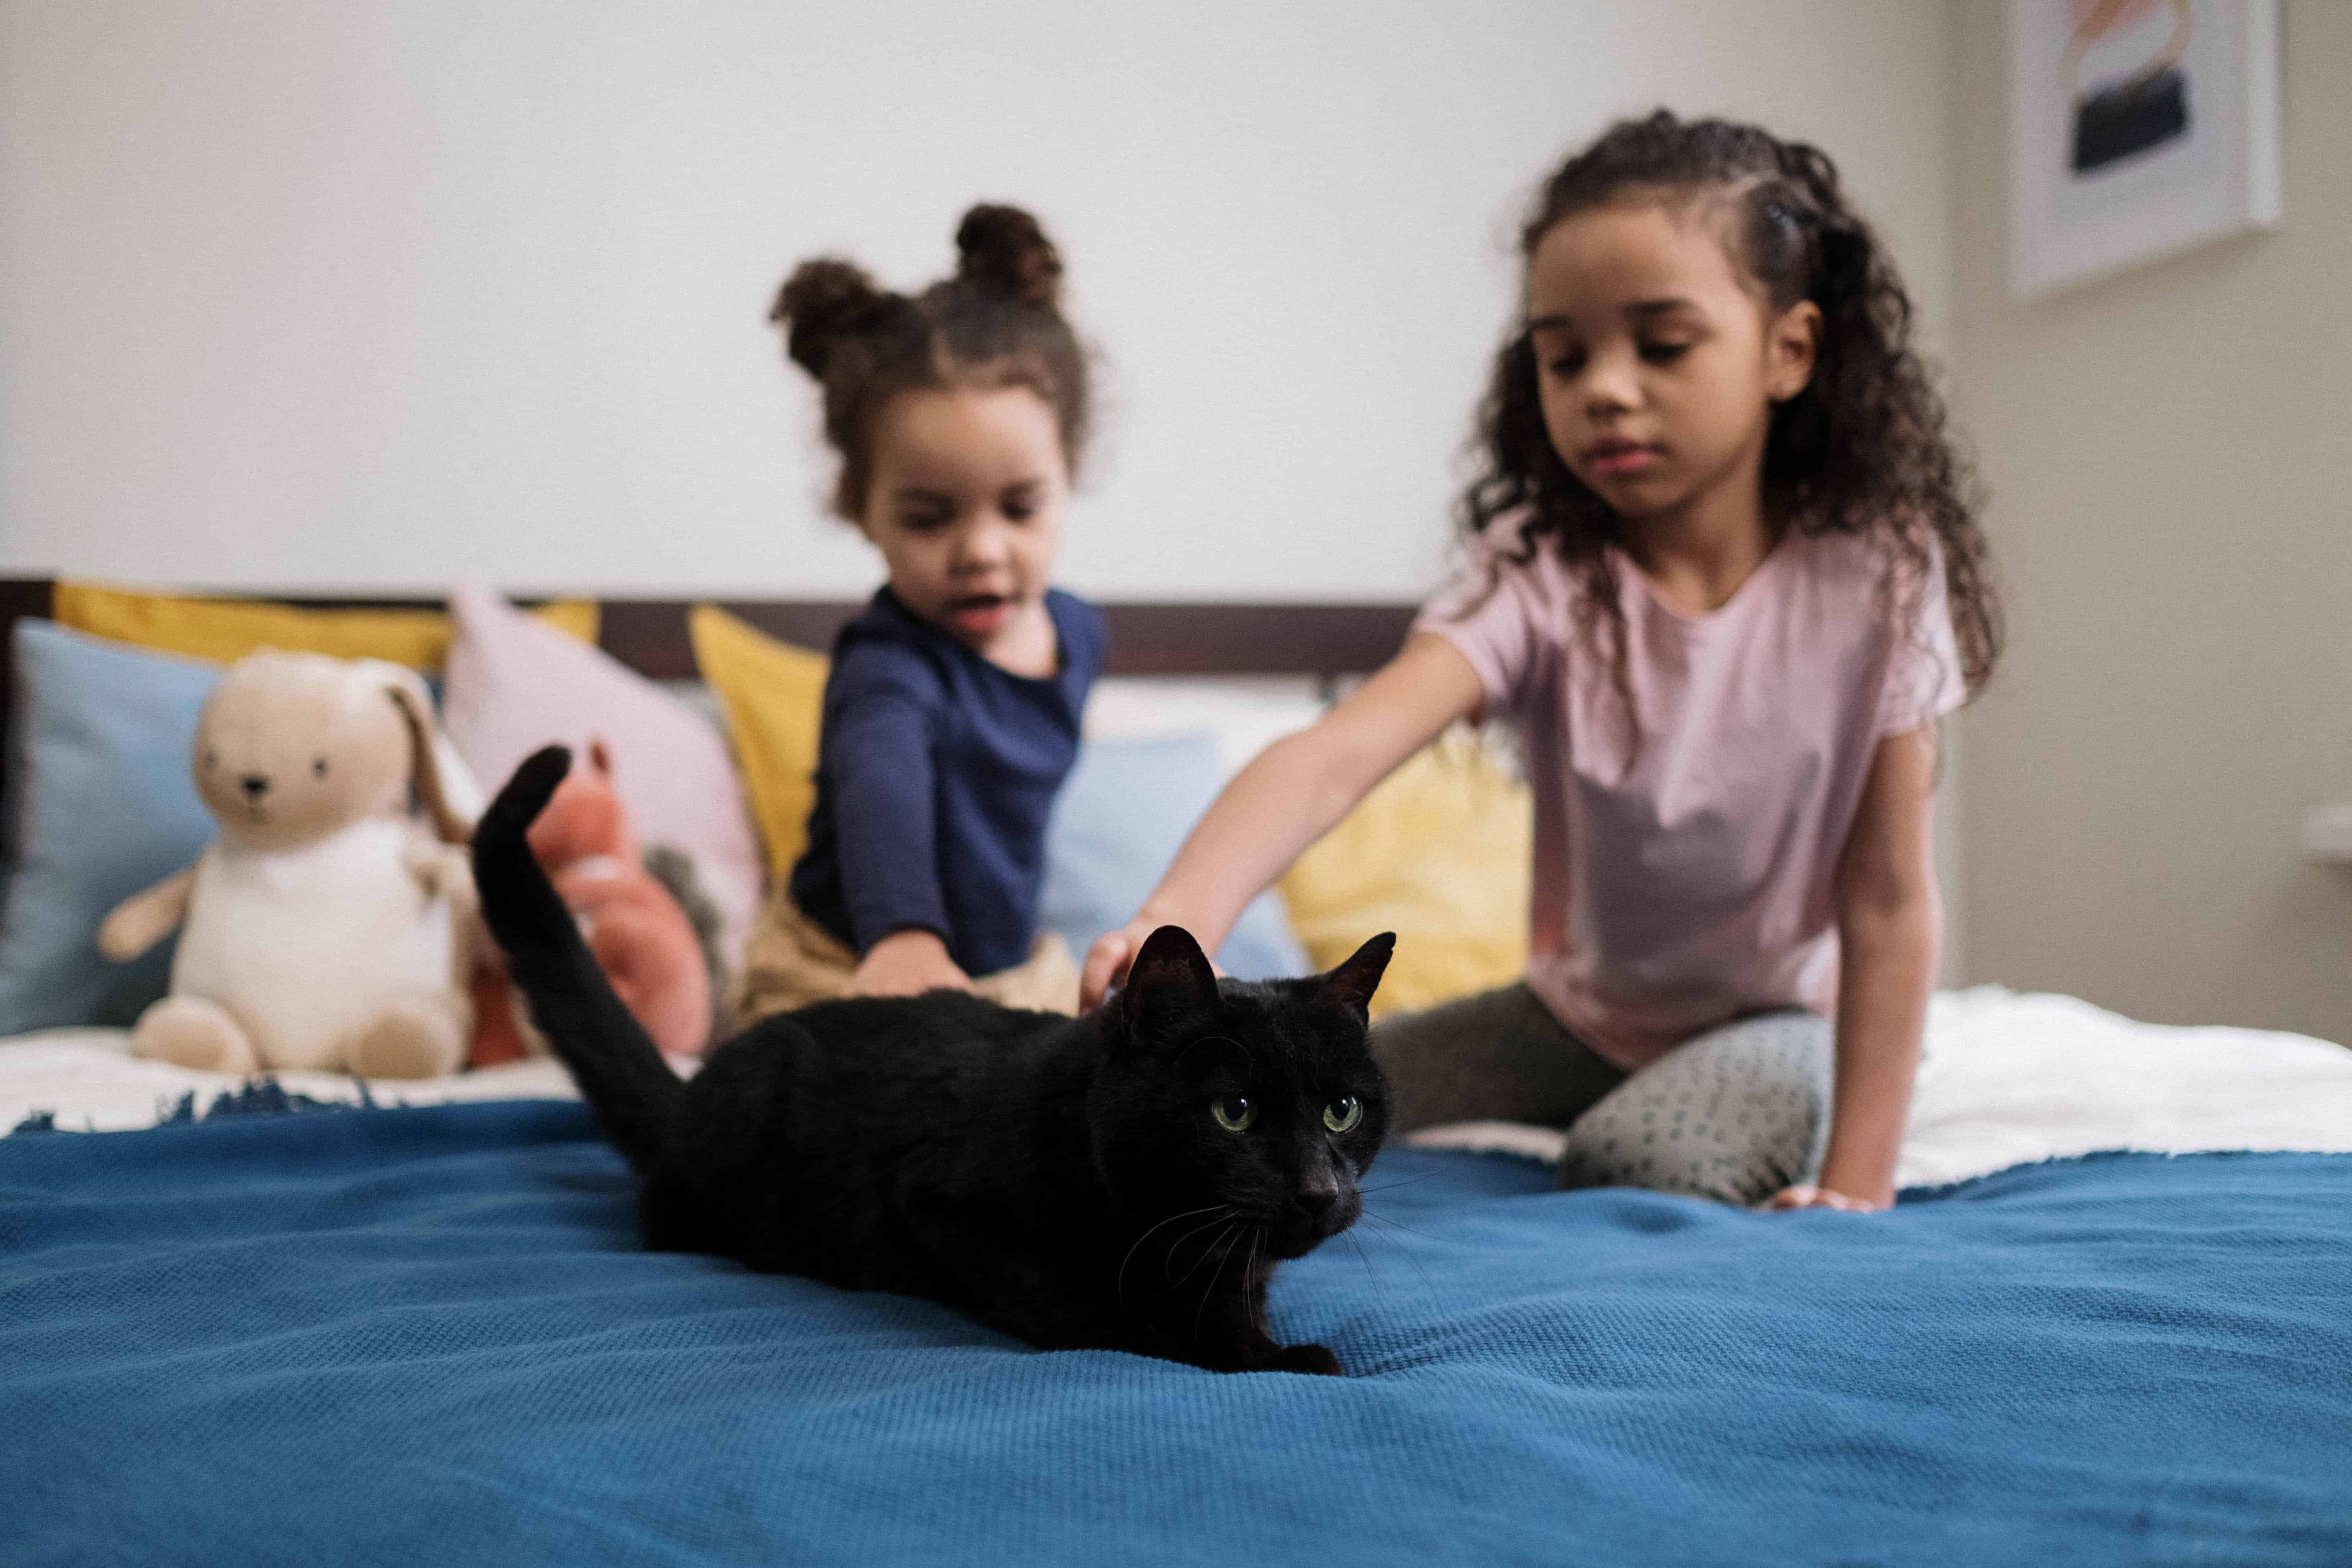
{"type": "Point", "coordinates": [1107, 962]}
{"type": "Point", "coordinates": [1804, 1197]}
{"type": "Point", "coordinates": [1108, 959]}
{"type": "Point", "coordinates": [906, 964]}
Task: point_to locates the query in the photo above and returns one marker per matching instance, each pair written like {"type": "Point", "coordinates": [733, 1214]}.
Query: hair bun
{"type": "Point", "coordinates": [821, 302]}
{"type": "Point", "coordinates": [1006, 252]}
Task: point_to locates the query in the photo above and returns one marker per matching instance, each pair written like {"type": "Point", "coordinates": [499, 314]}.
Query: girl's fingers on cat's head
{"type": "Point", "coordinates": [1106, 963]}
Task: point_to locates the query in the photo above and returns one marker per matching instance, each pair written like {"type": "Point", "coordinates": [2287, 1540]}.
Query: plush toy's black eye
{"type": "Point", "coordinates": [212, 760]}
{"type": "Point", "coordinates": [318, 767]}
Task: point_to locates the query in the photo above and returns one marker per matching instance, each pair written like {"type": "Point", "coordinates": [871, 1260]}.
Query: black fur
{"type": "Point", "coordinates": [1067, 1181]}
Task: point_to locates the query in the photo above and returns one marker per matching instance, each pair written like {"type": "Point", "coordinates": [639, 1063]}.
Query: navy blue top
{"type": "Point", "coordinates": [935, 772]}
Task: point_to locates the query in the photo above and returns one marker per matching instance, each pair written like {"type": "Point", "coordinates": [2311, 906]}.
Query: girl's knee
{"type": "Point", "coordinates": [1734, 1115]}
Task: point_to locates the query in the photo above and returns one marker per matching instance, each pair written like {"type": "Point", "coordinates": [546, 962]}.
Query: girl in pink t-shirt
{"type": "Point", "coordinates": [1727, 578]}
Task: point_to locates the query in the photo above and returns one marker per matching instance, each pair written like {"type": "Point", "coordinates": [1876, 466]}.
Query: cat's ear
{"type": "Point", "coordinates": [1350, 987]}
{"type": "Point", "coordinates": [1170, 975]}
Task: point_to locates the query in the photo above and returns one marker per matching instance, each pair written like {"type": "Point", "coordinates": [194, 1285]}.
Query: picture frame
{"type": "Point", "coordinates": [2139, 129]}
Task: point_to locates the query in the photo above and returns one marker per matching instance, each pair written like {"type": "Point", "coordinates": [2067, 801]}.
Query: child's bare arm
{"type": "Point", "coordinates": [1295, 792]}
{"type": "Point", "coordinates": [1890, 924]}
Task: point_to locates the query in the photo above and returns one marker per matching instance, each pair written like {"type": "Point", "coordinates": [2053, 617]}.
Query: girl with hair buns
{"type": "Point", "coordinates": [1727, 578]}
{"type": "Point", "coordinates": [952, 708]}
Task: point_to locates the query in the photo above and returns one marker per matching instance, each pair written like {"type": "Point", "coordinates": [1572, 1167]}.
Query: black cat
{"type": "Point", "coordinates": [1124, 1180]}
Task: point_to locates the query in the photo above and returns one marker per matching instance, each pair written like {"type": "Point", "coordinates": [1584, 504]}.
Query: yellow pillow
{"type": "Point", "coordinates": [225, 629]}
{"type": "Point", "coordinates": [774, 696]}
{"type": "Point", "coordinates": [1440, 853]}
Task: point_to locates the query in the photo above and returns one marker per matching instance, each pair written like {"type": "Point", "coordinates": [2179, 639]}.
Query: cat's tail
{"type": "Point", "coordinates": [627, 1083]}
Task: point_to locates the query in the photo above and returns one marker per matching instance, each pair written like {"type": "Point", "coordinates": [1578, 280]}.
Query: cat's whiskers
{"type": "Point", "coordinates": [1404, 1251]}
{"type": "Point", "coordinates": [1391, 1186]}
{"type": "Point", "coordinates": [1119, 1288]}
{"type": "Point", "coordinates": [1397, 1225]}
{"type": "Point", "coordinates": [1252, 1298]}
{"type": "Point", "coordinates": [1210, 1289]}
{"type": "Point", "coordinates": [1206, 1251]}
{"type": "Point", "coordinates": [1168, 1263]}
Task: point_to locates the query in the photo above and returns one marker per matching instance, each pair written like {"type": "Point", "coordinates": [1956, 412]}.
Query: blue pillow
{"type": "Point", "coordinates": [1123, 812]}
{"type": "Point", "coordinates": [99, 805]}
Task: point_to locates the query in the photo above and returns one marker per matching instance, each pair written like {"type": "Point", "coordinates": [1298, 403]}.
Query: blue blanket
{"type": "Point", "coordinates": [427, 1337]}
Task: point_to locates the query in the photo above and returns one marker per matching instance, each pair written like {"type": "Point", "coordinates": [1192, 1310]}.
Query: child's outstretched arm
{"type": "Point", "coordinates": [1294, 793]}
{"type": "Point", "coordinates": [879, 751]}
{"type": "Point", "coordinates": [1890, 924]}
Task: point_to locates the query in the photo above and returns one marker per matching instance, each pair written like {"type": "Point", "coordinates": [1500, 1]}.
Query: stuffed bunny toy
{"type": "Point", "coordinates": [326, 928]}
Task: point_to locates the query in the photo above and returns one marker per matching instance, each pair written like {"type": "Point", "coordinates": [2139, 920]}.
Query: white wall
{"type": "Point", "coordinates": [362, 294]}
{"type": "Point", "coordinates": [2165, 452]}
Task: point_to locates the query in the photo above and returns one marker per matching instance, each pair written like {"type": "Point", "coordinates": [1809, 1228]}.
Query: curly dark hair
{"type": "Point", "coordinates": [997, 321]}
{"type": "Point", "coordinates": [1862, 450]}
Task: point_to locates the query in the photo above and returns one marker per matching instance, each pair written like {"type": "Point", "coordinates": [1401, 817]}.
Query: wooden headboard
{"type": "Point", "coordinates": [649, 635]}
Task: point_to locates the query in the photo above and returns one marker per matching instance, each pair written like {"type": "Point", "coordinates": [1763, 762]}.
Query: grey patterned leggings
{"type": "Point", "coordinates": [1734, 1115]}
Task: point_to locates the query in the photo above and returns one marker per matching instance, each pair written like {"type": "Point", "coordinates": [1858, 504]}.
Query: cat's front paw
{"type": "Point", "coordinates": [1314, 1358]}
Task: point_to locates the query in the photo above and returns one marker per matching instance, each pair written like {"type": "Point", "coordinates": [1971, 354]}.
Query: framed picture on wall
{"type": "Point", "coordinates": [2138, 129]}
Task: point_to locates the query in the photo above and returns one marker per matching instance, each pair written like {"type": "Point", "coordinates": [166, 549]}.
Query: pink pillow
{"type": "Point", "coordinates": [515, 684]}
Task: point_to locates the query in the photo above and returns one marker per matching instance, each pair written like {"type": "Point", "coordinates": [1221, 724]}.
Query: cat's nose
{"type": "Point", "coordinates": [255, 785]}
{"type": "Point", "coordinates": [1317, 1202]}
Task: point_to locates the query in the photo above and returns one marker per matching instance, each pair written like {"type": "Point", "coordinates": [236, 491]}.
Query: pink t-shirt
{"type": "Point", "coordinates": [1698, 884]}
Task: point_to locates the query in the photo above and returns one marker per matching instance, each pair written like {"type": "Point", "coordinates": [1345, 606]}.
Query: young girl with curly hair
{"type": "Point", "coordinates": [952, 708]}
{"type": "Point", "coordinates": [1727, 579]}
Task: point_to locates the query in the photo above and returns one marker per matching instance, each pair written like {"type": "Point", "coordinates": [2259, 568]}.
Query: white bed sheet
{"type": "Point", "coordinates": [90, 1082]}
{"type": "Point", "coordinates": [2007, 1080]}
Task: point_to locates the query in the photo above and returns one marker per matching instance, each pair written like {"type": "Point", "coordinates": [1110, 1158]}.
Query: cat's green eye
{"type": "Point", "coordinates": [1342, 1114]}
{"type": "Point", "coordinates": [1233, 1113]}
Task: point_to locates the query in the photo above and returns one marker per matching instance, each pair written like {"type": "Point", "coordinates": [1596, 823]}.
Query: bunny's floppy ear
{"type": "Point", "coordinates": [407, 689]}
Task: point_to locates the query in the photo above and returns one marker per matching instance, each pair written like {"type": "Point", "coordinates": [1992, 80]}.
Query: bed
{"type": "Point", "coordinates": [320, 1322]}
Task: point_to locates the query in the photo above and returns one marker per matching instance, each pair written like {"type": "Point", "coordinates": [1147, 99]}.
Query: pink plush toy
{"type": "Point", "coordinates": [641, 938]}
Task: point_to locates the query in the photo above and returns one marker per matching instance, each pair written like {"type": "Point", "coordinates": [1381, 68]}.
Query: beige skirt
{"type": "Point", "coordinates": [792, 961]}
